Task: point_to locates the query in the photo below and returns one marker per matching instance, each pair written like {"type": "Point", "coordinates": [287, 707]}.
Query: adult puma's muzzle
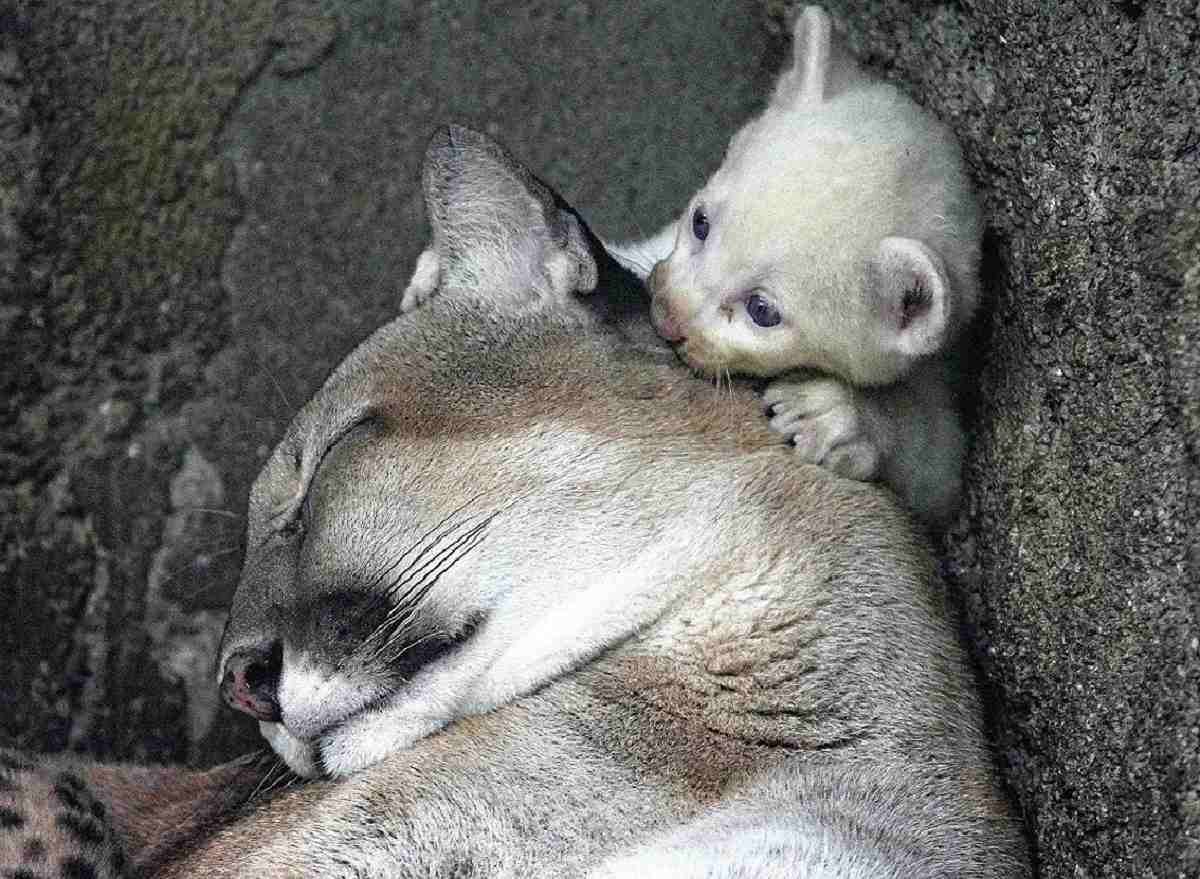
{"type": "Point", "coordinates": [322, 660]}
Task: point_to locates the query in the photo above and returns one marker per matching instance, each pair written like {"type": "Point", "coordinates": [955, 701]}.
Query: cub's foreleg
{"type": "Point", "coordinates": [907, 435]}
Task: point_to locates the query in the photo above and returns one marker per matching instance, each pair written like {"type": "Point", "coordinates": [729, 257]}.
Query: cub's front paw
{"type": "Point", "coordinates": [824, 419]}
{"type": "Point", "coordinates": [425, 279]}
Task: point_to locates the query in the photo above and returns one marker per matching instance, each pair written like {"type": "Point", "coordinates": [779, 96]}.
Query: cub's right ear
{"type": "Point", "coordinates": [497, 229]}
{"type": "Point", "coordinates": [912, 297]}
{"type": "Point", "coordinates": [821, 67]}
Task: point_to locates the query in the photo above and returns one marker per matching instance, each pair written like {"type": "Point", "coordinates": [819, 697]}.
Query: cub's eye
{"type": "Point", "coordinates": [761, 311]}
{"type": "Point", "coordinates": [699, 224]}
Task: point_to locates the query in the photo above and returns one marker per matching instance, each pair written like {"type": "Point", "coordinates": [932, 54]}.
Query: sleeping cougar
{"type": "Point", "coordinates": [554, 602]}
{"type": "Point", "coordinates": [544, 605]}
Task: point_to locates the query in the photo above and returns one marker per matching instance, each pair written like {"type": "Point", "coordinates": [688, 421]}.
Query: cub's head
{"type": "Point", "coordinates": [840, 233]}
{"type": "Point", "coordinates": [423, 543]}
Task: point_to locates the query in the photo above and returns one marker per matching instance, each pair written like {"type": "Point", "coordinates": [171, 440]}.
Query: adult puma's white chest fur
{"type": "Point", "coordinates": [547, 606]}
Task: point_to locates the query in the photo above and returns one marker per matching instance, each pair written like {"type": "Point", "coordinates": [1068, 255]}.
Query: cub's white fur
{"type": "Point", "coordinates": [847, 210]}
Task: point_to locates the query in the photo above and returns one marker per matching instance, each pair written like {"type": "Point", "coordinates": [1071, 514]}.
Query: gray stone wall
{"type": "Point", "coordinates": [203, 206]}
{"type": "Point", "coordinates": [1079, 550]}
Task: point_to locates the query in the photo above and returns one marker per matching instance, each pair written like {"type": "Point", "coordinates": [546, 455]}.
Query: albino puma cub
{"type": "Point", "coordinates": [840, 235]}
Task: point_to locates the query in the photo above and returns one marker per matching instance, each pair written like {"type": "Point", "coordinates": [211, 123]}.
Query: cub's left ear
{"type": "Point", "coordinates": [821, 68]}
{"type": "Point", "coordinates": [913, 295]}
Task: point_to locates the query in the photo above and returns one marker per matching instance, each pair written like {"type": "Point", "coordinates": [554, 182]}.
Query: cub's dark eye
{"type": "Point", "coordinates": [761, 311]}
{"type": "Point", "coordinates": [699, 224]}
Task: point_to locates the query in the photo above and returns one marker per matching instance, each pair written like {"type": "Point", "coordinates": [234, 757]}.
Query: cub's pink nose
{"type": "Point", "coordinates": [664, 322]}
{"type": "Point", "coordinates": [250, 680]}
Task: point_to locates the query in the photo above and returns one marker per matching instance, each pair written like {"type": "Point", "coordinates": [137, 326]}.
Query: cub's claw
{"type": "Point", "coordinates": [824, 418]}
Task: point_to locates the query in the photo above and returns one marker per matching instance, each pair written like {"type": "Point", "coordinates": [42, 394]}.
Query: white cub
{"type": "Point", "coordinates": [840, 235]}
{"type": "Point", "coordinates": [837, 249]}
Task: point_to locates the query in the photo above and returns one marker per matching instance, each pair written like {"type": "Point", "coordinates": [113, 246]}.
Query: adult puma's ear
{"type": "Point", "coordinates": [821, 67]}
{"type": "Point", "coordinates": [913, 295]}
{"type": "Point", "coordinates": [497, 229]}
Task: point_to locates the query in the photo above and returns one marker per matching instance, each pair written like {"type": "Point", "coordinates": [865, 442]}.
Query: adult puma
{"type": "Point", "coordinates": [553, 602]}
{"type": "Point", "coordinates": [545, 605]}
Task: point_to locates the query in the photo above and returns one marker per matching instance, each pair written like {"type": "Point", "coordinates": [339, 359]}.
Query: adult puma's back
{"type": "Point", "coordinates": [546, 606]}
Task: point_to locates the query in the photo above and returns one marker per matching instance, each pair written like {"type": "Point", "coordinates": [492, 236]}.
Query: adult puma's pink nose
{"type": "Point", "coordinates": [250, 680]}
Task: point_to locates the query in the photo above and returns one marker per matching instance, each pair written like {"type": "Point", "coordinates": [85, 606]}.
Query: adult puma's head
{"type": "Point", "coordinates": [459, 514]}
{"type": "Point", "coordinates": [840, 233]}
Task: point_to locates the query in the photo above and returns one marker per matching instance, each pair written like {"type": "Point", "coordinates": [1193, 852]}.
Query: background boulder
{"type": "Point", "coordinates": [203, 207]}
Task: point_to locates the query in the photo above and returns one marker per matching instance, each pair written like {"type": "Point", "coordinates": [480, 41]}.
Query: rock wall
{"type": "Point", "coordinates": [203, 207]}
{"type": "Point", "coordinates": [1079, 550]}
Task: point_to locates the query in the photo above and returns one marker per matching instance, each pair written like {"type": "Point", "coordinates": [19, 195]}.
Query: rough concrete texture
{"type": "Point", "coordinates": [1079, 550]}
{"type": "Point", "coordinates": [202, 208]}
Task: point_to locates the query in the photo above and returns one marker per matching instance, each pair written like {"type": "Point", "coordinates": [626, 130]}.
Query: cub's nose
{"type": "Point", "coordinates": [664, 322]}
{"type": "Point", "coordinates": [250, 681]}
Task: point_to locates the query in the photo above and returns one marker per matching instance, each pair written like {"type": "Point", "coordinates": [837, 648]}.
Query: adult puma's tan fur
{"type": "Point", "coordinates": [545, 605]}
{"type": "Point", "coordinates": [620, 627]}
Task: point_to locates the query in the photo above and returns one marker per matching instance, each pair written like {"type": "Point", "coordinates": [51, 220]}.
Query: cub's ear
{"type": "Point", "coordinates": [821, 67]}
{"type": "Point", "coordinates": [497, 229]}
{"type": "Point", "coordinates": [913, 296]}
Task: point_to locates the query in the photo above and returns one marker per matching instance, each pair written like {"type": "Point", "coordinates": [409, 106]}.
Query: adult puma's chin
{"type": "Point", "coordinates": [357, 742]}
{"type": "Point", "coordinates": [300, 756]}
{"type": "Point", "coordinates": [314, 702]}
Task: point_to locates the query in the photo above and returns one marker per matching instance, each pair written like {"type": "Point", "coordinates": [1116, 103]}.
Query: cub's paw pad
{"type": "Point", "coordinates": [424, 282]}
{"type": "Point", "coordinates": [823, 419]}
